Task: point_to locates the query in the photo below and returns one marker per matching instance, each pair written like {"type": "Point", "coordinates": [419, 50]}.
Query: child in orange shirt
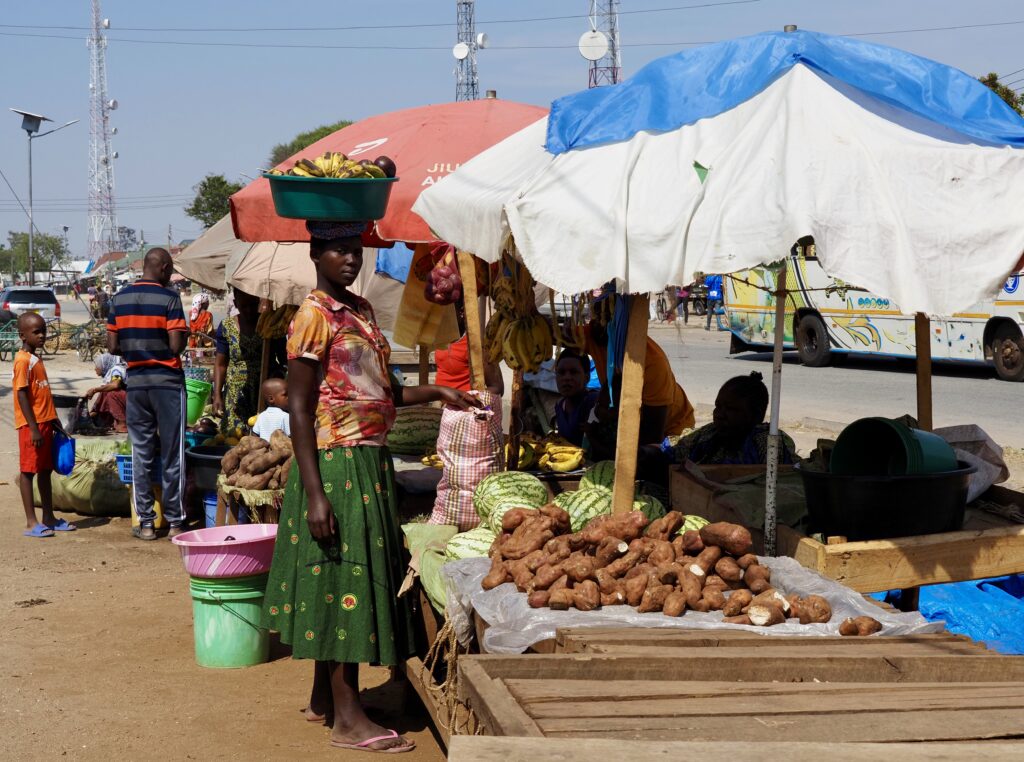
{"type": "Point", "coordinates": [35, 418]}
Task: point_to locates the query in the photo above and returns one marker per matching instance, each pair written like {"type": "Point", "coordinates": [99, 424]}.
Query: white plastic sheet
{"type": "Point", "coordinates": [514, 626]}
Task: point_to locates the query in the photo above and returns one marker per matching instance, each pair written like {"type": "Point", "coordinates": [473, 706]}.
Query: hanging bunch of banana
{"type": "Point", "coordinates": [516, 332]}
{"type": "Point", "coordinates": [273, 324]}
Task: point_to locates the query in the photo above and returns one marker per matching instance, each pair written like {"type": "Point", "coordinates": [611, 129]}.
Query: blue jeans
{"type": "Point", "coordinates": [156, 428]}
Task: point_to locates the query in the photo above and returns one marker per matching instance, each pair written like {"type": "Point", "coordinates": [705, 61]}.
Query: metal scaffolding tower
{"type": "Point", "coordinates": [467, 83]}
{"type": "Point", "coordinates": [604, 18]}
{"type": "Point", "coordinates": [102, 213]}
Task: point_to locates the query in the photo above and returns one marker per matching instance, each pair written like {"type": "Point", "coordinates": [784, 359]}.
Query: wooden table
{"type": "Point", "coordinates": [742, 688]}
{"type": "Point", "coordinates": [988, 545]}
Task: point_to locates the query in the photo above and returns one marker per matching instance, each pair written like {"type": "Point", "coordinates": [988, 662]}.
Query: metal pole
{"type": "Point", "coordinates": [774, 438]}
{"type": "Point", "coordinates": [31, 225]}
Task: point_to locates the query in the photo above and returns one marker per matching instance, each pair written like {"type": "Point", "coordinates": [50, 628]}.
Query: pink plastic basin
{"type": "Point", "coordinates": [212, 552]}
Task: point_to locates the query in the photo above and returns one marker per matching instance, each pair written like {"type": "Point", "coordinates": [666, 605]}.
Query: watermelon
{"type": "Point", "coordinates": [601, 474]}
{"type": "Point", "coordinates": [415, 430]}
{"type": "Point", "coordinates": [650, 506]}
{"type": "Point", "coordinates": [508, 489]}
{"type": "Point", "coordinates": [476, 543]}
{"type": "Point", "coordinates": [694, 523]}
{"type": "Point", "coordinates": [584, 505]}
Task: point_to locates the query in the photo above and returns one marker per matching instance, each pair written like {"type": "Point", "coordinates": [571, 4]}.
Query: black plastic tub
{"type": "Point", "coordinates": [203, 463]}
{"type": "Point", "coordinates": [877, 507]}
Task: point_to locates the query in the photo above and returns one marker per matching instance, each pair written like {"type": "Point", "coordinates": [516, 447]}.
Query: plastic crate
{"type": "Point", "coordinates": [124, 470]}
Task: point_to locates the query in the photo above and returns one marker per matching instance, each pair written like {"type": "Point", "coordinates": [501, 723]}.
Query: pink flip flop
{"type": "Point", "coordinates": [365, 745]}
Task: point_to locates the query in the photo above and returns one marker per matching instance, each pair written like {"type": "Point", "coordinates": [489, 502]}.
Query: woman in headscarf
{"type": "Point", "coordinates": [236, 368]}
{"type": "Point", "coordinates": [111, 397]}
{"type": "Point", "coordinates": [337, 568]}
{"type": "Point", "coordinates": [200, 322]}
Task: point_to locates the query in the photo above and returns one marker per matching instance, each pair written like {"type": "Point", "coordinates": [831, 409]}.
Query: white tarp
{"type": "Point", "coordinates": [898, 205]}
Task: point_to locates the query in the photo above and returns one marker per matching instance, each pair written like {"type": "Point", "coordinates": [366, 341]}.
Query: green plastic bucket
{"type": "Point", "coordinates": [197, 392]}
{"type": "Point", "coordinates": [330, 199]}
{"type": "Point", "coordinates": [884, 447]}
{"type": "Point", "coordinates": [226, 621]}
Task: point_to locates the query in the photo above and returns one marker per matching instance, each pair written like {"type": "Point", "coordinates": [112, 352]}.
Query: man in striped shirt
{"type": "Point", "coordinates": [147, 327]}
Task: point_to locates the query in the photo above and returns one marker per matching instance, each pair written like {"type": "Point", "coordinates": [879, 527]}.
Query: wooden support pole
{"type": "Point", "coordinates": [628, 440]}
{"type": "Point", "coordinates": [474, 329]}
{"type": "Point", "coordinates": [264, 371]}
{"type": "Point", "coordinates": [424, 364]}
{"type": "Point", "coordinates": [515, 421]}
{"type": "Point", "coordinates": [923, 343]}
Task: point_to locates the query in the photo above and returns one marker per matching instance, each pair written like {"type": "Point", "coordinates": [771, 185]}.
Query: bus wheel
{"type": "Point", "coordinates": [812, 341]}
{"type": "Point", "coordinates": [1008, 354]}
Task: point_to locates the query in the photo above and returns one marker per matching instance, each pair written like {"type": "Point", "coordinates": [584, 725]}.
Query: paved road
{"type": "Point", "coordinates": [858, 387]}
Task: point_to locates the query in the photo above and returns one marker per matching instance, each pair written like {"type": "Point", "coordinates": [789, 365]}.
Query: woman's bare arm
{"type": "Point", "coordinates": [302, 401]}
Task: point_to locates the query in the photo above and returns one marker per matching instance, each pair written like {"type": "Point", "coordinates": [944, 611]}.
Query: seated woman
{"type": "Point", "coordinates": [200, 325]}
{"type": "Point", "coordinates": [738, 433]}
{"type": "Point", "coordinates": [111, 397]}
{"type": "Point", "coordinates": [572, 373]}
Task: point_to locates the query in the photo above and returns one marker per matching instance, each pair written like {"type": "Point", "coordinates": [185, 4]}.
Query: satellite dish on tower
{"type": "Point", "coordinates": [106, 23]}
{"type": "Point", "coordinates": [481, 40]}
{"type": "Point", "coordinates": [113, 131]}
{"type": "Point", "coordinates": [460, 51]}
{"type": "Point", "coordinates": [593, 45]}
{"type": "Point", "coordinates": [112, 104]}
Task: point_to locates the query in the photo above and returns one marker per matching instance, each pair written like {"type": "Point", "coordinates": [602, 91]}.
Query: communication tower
{"type": "Point", "coordinates": [103, 236]}
{"type": "Point", "coordinates": [606, 68]}
{"type": "Point", "coordinates": [467, 83]}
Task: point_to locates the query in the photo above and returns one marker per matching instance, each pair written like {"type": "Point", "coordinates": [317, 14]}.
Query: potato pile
{"type": "Point", "coordinates": [626, 560]}
{"type": "Point", "coordinates": [255, 463]}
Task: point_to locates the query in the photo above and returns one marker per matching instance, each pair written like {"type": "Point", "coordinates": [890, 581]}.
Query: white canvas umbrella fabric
{"type": "Point", "coordinates": [910, 180]}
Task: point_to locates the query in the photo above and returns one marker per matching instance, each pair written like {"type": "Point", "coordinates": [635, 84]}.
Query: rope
{"type": "Point", "coordinates": [446, 647]}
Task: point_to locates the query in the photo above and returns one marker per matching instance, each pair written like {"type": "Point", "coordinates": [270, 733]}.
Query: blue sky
{"type": "Point", "coordinates": [186, 110]}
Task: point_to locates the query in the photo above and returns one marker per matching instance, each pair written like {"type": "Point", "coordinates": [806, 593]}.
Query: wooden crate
{"type": "Point", "coordinates": [705, 687]}
{"type": "Point", "coordinates": [988, 546]}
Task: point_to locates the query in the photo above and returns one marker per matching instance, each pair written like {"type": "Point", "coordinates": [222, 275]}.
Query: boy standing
{"type": "Point", "coordinates": [275, 415]}
{"type": "Point", "coordinates": [35, 418]}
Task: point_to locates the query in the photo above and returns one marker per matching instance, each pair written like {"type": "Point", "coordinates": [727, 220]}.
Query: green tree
{"type": "Point", "coordinates": [282, 151]}
{"type": "Point", "coordinates": [211, 201]}
{"type": "Point", "coordinates": [1013, 100]}
{"type": "Point", "coordinates": [48, 252]}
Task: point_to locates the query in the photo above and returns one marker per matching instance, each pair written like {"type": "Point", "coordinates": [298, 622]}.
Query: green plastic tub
{"type": "Point", "coordinates": [196, 394]}
{"type": "Point", "coordinates": [226, 621]}
{"type": "Point", "coordinates": [328, 199]}
{"type": "Point", "coordinates": [884, 447]}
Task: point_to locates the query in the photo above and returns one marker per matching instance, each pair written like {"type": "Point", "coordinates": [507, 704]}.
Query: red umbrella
{"type": "Point", "coordinates": [426, 143]}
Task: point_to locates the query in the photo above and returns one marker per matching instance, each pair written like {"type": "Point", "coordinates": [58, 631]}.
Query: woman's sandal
{"type": "Point", "coordinates": [365, 745]}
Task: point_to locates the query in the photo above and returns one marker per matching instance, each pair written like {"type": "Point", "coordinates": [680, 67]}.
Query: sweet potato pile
{"type": "Point", "coordinates": [255, 463]}
{"type": "Point", "coordinates": [624, 560]}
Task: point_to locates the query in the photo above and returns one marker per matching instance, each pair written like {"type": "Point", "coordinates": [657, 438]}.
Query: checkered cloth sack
{"type": "Point", "coordinates": [470, 448]}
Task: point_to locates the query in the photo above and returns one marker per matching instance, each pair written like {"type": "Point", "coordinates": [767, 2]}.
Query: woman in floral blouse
{"type": "Point", "coordinates": [332, 592]}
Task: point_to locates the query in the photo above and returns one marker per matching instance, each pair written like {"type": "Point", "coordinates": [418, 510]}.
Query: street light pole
{"type": "Point", "coordinates": [31, 224]}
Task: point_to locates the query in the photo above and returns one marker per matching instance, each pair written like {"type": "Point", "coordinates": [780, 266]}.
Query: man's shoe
{"type": "Point", "coordinates": [175, 530]}
{"type": "Point", "coordinates": [144, 533]}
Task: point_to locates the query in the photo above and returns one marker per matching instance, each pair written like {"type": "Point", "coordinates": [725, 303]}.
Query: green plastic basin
{"type": "Point", "coordinates": [883, 447]}
{"type": "Point", "coordinates": [327, 199]}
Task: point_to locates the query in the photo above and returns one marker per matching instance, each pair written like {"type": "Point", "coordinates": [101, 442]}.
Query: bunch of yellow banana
{"type": "Point", "coordinates": [527, 456]}
{"type": "Point", "coordinates": [526, 343]}
{"type": "Point", "coordinates": [433, 460]}
{"type": "Point", "coordinates": [336, 165]}
{"type": "Point", "coordinates": [273, 324]}
{"type": "Point", "coordinates": [561, 459]}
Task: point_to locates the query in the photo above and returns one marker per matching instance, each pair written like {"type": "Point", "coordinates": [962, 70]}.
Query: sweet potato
{"type": "Point", "coordinates": [557, 515]}
{"type": "Point", "coordinates": [576, 541]}
{"type": "Point", "coordinates": [529, 536]}
{"type": "Point", "coordinates": [286, 468]}
{"type": "Point", "coordinates": [665, 527]}
{"type": "Point", "coordinates": [634, 589]}
{"type": "Point", "coordinates": [535, 560]}
{"type": "Point", "coordinates": [654, 598]}
{"type": "Point", "coordinates": [579, 567]}
{"type": "Point", "coordinates": [758, 578]}
{"type": "Point", "coordinates": [746, 560]}
{"type": "Point", "coordinates": [702, 606]}
{"type": "Point", "coordinates": [765, 615]}
{"type": "Point", "coordinates": [608, 550]}
{"type": "Point", "coordinates": [615, 598]}
{"type": "Point", "coordinates": [728, 569]}
{"type": "Point", "coordinates": [668, 574]}
{"type": "Point", "coordinates": [706, 561]}
{"type": "Point", "coordinates": [640, 570]}
{"type": "Point", "coordinates": [625, 526]}
{"type": "Point", "coordinates": [691, 541]}
{"type": "Point", "coordinates": [689, 584]}
{"type": "Point", "coordinates": [561, 583]}
{"type": "Point", "coordinates": [814, 609]}
{"type": "Point", "coordinates": [586, 596]}
{"type": "Point", "coordinates": [675, 604]}
{"type": "Point", "coordinates": [713, 580]}
{"type": "Point", "coordinates": [557, 549]}
{"type": "Point", "coordinates": [643, 546]}
{"type": "Point", "coordinates": [677, 546]}
{"type": "Point", "coordinates": [771, 597]}
{"type": "Point", "coordinates": [860, 626]}
{"type": "Point", "coordinates": [253, 481]}
{"type": "Point", "coordinates": [515, 517]}
{"type": "Point", "coordinates": [738, 619]}
{"type": "Point", "coordinates": [606, 583]}
{"type": "Point", "coordinates": [732, 538]}
{"type": "Point", "coordinates": [538, 599]}
{"type": "Point", "coordinates": [796, 607]}
{"type": "Point", "coordinates": [280, 441]}
{"type": "Point", "coordinates": [661, 553]}
{"type": "Point", "coordinates": [229, 463]}
{"type": "Point", "coordinates": [561, 599]}
{"type": "Point", "coordinates": [715, 598]}
{"type": "Point", "coordinates": [524, 581]}
{"type": "Point", "coordinates": [620, 566]}
{"type": "Point", "coordinates": [736, 602]}
{"type": "Point", "coordinates": [498, 575]}
{"type": "Point", "coordinates": [546, 576]}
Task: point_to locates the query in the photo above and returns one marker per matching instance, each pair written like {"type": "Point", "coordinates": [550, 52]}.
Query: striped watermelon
{"type": "Point", "coordinates": [601, 474]}
{"type": "Point", "coordinates": [508, 488]}
{"type": "Point", "coordinates": [694, 523]}
{"type": "Point", "coordinates": [584, 505]}
{"type": "Point", "coordinates": [650, 506]}
{"type": "Point", "coordinates": [476, 543]}
{"type": "Point", "coordinates": [415, 430]}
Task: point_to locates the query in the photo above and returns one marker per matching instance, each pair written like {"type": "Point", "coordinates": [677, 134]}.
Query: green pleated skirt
{"type": "Point", "coordinates": [338, 602]}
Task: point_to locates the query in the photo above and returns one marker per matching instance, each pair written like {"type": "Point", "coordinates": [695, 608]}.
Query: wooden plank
{"type": "Point", "coordinates": [425, 687]}
{"type": "Point", "coordinates": [923, 344]}
{"type": "Point", "coordinates": [515, 421]}
{"type": "Point", "coordinates": [498, 749]}
{"type": "Point", "coordinates": [424, 364]}
{"type": "Point", "coordinates": [628, 437]}
{"type": "Point", "coordinates": [723, 664]}
{"type": "Point", "coordinates": [866, 647]}
{"type": "Point", "coordinates": [489, 699]}
{"type": "Point", "coordinates": [474, 327]}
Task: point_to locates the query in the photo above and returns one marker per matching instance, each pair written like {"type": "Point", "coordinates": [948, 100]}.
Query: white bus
{"type": "Point", "coordinates": [825, 316]}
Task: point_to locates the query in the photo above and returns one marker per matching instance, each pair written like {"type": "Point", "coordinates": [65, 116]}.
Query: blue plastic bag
{"type": "Point", "coordinates": [63, 453]}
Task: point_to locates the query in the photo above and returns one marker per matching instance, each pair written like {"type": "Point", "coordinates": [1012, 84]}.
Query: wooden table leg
{"type": "Point", "coordinates": [628, 439]}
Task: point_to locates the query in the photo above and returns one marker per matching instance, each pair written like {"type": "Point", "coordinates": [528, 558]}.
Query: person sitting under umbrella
{"type": "Point", "coordinates": [111, 397]}
{"type": "Point", "coordinates": [200, 323]}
